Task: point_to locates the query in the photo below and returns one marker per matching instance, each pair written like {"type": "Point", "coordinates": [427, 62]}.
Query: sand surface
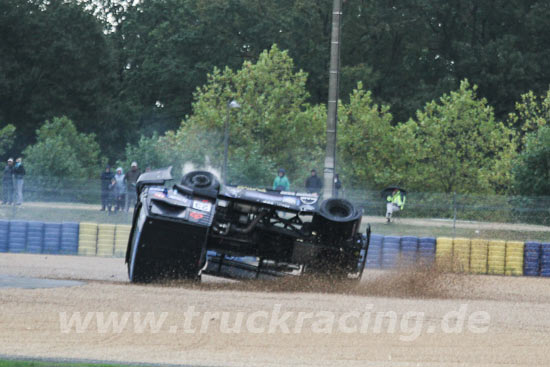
{"type": "Point", "coordinates": [505, 320]}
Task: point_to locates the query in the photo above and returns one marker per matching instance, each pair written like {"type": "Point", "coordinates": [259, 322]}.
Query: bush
{"type": "Point", "coordinates": [62, 160]}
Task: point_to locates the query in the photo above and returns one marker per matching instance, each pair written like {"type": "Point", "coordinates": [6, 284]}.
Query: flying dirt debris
{"type": "Point", "coordinates": [198, 226]}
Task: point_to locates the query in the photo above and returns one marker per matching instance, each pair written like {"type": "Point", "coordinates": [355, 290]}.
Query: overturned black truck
{"type": "Point", "coordinates": [199, 226]}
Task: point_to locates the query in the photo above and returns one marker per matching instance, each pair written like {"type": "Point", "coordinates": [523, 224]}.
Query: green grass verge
{"type": "Point", "coordinates": [12, 363]}
{"type": "Point", "coordinates": [54, 214]}
{"type": "Point", "coordinates": [398, 229]}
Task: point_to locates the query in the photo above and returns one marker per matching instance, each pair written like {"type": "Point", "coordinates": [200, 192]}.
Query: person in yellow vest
{"type": "Point", "coordinates": [395, 203]}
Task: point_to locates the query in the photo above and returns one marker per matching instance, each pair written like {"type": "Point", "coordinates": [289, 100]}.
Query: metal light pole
{"type": "Point", "coordinates": [230, 105]}
{"type": "Point", "coordinates": [332, 106]}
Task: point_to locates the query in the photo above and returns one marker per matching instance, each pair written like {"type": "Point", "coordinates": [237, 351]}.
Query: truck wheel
{"type": "Point", "coordinates": [337, 210]}
{"type": "Point", "coordinates": [200, 180]}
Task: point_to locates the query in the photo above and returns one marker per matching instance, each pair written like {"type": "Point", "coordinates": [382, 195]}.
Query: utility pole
{"type": "Point", "coordinates": [230, 105]}
{"type": "Point", "coordinates": [332, 106]}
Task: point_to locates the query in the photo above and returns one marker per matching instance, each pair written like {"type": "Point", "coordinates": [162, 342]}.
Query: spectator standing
{"type": "Point", "coordinates": [337, 185]}
{"type": "Point", "coordinates": [314, 183]}
{"type": "Point", "coordinates": [7, 183]}
{"type": "Point", "coordinates": [106, 180]}
{"type": "Point", "coordinates": [131, 179]}
{"type": "Point", "coordinates": [281, 181]}
{"type": "Point", "coordinates": [19, 177]}
{"type": "Point", "coordinates": [120, 189]}
{"type": "Point", "coordinates": [111, 194]}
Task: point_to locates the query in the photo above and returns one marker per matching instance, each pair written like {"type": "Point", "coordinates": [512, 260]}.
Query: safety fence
{"type": "Point", "coordinates": [463, 255]}
{"type": "Point", "coordinates": [476, 207]}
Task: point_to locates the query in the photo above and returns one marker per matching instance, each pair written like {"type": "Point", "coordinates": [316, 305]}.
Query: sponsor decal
{"type": "Point", "coordinates": [289, 200]}
{"type": "Point", "coordinates": [250, 188]}
{"type": "Point", "coordinates": [195, 216]}
{"type": "Point", "coordinates": [308, 200]}
{"type": "Point", "coordinates": [203, 205]}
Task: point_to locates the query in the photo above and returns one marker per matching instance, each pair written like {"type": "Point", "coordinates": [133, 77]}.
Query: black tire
{"type": "Point", "coordinates": [338, 210]}
{"type": "Point", "coordinates": [202, 180]}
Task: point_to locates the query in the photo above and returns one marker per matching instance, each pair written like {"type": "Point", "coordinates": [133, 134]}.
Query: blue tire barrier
{"type": "Point", "coordinates": [374, 254]}
{"type": "Point", "coordinates": [409, 250]}
{"type": "Point", "coordinates": [52, 238]}
{"type": "Point", "coordinates": [17, 236]}
{"type": "Point", "coordinates": [69, 238]}
{"type": "Point", "coordinates": [4, 231]}
{"type": "Point", "coordinates": [390, 251]}
{"type": "Point", "coordinates": [426, 250]}
{"type": "Point", "coordinates": [545, 260]}
{"type": "Point", "coordinates": [35, 237]}
{"type": "Point", "coordinates": [531, 258]}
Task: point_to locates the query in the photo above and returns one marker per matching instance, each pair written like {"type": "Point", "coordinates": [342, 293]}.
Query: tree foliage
{"type": "Point", "coordinates": [532, 167]}
{"type": "Point", "coordinates": [63, 156]}
{"type": "Point", "coordinates": [149, 152]}
{"type": "Point", "coordinates": [531, 113]}
{"type": "Point", "coordinates": [55, 61]}
{"type": "Point", "coordinates": [459, 145]}
{"type": "Point", "coordinates": [7, 135]}
{"type": "Point", "coordinates": [365, 141]}
{"type": "Point", "coordinates": [274, 121]}
{"type": "Point", "coordinates": [123, 69]}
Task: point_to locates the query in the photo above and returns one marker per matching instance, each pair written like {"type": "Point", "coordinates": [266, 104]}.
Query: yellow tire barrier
{"type": "Point", "coordinates": [478, 256]}
{"type": "Point", "coordinates": [496, 257]}
{"type": "Point", "coordinates": [514, 258]}
{"type": "Point", "coordinates": [461, 255]}
{"type": "Point", "coordinates": [87, 239]}
{"type": "Point", "coordinates": [444, 253]}
{"type": "Point", "coordinates": [106, 240]}
{"type": "Point", "coordinates": [122, 234]}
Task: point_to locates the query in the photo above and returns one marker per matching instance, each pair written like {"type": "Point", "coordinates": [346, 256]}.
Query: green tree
{"type": "Point", "coordinates": [365, 141]}
{"type": "Point", "coordinates": [274, 121]}
{"type": "Point", "coordinates": [459, 146]}
{"type": "Point", "coordinates": [149, 152]}
{"type": "Point", "coordinates": [532, 167]}
{"type": "Point", "coordinates": [531, 113]}
{"type": "Point", "coordinates": [62, 157]}
{"type": "Point", "coordinates": [7, 135]}
{"type": "Point", "coordinates": [55, 61]}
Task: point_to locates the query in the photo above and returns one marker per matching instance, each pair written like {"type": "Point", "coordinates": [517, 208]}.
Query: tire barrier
{"type": "Point", "coordinates": [496, 257]}
{"type": "Point", "coordinates": [426, 250]}
{"type": "Point", "coordinates": [35, 237]}
{"type": "Point", "coordinates": [4, 231]}
{"type": "Point", "coordinates": [374, 254]}
{"type": "Point", "coordinates": [52, 238]}
{"type": "Point", "coordinates": [461, 255]}
{"type": "Point", "coordinates": [478, 256]}
{"type": "Point", "coordinates": [122, 235]}
{"type": "Point", "coordinates": [69, 238]}
{"type": "Point", "coordinates": [390, 252]}
{"type": "Point", "coordinates": [531, 258]}
{"type": "Point", "coordinates": [545, 260]}
{"type": "Point", "coordinates": [514, 258]}
{"type": "Point", "coordinates": [87, 239]}
{"type": "Point", "coordinates": [106, 240]}
{"type": "Point", "coordinates": [409, 251]}
{"type": "Point", "coordinates": [444, 253]}
{"type": "Point", "coordinates": [17, 236]}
